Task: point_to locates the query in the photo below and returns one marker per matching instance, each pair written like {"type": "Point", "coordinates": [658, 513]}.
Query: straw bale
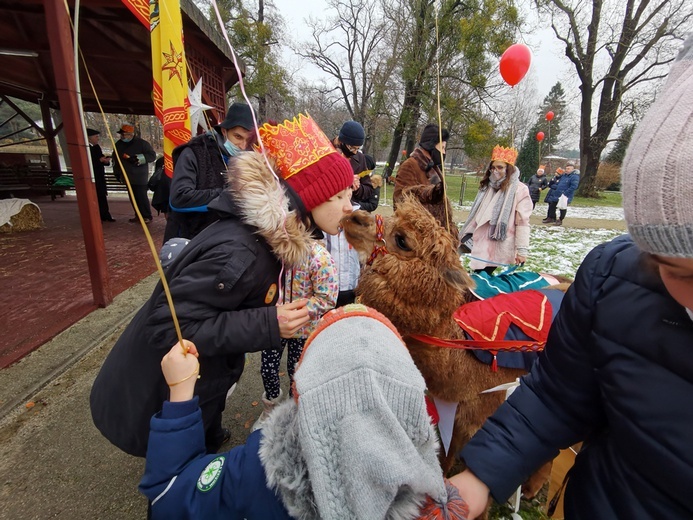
{"type": "Point", "coordinates": [28, 219]}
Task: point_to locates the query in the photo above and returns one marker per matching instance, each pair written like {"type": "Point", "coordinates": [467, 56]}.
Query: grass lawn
{"type": "Point", "coordinates": [462, 189]}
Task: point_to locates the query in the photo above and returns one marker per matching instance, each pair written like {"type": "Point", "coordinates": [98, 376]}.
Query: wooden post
{"type": "Point", "coordinates": [49, 134]}
{"type": "Point", "coordinates": [60, 36]}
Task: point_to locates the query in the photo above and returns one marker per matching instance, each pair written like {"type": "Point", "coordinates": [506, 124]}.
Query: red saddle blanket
{"type": "Point", "coordinates": [490, 319]}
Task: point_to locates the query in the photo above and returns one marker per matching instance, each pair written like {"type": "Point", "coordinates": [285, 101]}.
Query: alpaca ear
{"type": "Point", "coordinates": [458, 279]}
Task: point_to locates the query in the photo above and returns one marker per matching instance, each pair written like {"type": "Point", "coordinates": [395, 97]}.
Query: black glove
{"type": "Point", "coordinates": [132, 159]}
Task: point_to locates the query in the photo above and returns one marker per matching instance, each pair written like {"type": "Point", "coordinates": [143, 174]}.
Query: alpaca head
{"type": "Point", "coordinates": [420, 281]}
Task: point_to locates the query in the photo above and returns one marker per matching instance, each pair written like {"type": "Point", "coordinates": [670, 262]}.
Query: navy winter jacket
{"type": "Point", "coordinates": [182, 481]}
{"type": "Point", "coordinates": [617, 373]}
{"type": "Point", "coordinates": [566, 185]}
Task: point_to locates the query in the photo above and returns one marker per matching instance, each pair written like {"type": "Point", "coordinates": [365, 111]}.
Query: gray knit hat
{"type": "Point", "coordinates": [363, 426]}
{"type": "Point", "coordinates": [657, 172]}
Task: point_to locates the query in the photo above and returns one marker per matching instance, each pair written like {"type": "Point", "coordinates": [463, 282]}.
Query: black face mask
{"type": "Point", "coordinates": [436, 157]}
{"type": "Point", "coordinates": [345, 150]}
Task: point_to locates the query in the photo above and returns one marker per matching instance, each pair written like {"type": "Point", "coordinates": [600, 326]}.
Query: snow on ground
{"type": "Point", "coordinates": [593, 213]}
{"type": "Point", "coordinates": [561, 250]}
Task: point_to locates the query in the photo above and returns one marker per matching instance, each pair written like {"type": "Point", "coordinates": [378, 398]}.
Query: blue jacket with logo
{"type": "Point", "coordinates": [182, 482]}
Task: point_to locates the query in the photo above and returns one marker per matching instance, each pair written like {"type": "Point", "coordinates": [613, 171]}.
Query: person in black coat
{"type": "Point", "coordinates": [98, 163]}
{"type": "Point", "coordinates": [198, 171]}
{"type": "Point", "coordinates": [135, 153]}
{"type": "Point", "coordinates": [536, 184]}
{"type": "Point", "coordinates": [349, 142]}
{"type": "Point", "coordinates": [224, 288]}
{"type": "Point", "coordinates": [617, 370]}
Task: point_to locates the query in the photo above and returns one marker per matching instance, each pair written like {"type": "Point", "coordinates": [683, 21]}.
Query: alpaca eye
{"type": "Point", "coordinates": [402, 243]}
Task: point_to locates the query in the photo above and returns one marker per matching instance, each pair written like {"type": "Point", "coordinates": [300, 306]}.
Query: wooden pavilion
{"type": "Point", "coordinates": [38, 64]}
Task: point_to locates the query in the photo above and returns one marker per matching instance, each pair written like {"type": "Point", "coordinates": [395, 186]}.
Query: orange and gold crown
{"type": "Point", "coordinates": [295, 144]}
{"type": "Point", "coordinates": [507, 155]}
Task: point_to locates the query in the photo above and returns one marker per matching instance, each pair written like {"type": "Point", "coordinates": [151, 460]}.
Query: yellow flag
{"type": "Point", "coordinates": [170, 79]}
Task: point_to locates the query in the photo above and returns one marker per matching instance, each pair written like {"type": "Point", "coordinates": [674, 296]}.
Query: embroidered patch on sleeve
{"type": "Point", "coordinates": [210, 475]}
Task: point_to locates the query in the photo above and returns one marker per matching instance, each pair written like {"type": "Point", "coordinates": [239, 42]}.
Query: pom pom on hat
{"type": "Point", "coordinates": [430, 136]}
{"type": "Point", "coordinates": [657, 171]}
{"type": "Point", "coordinates": [352, 134]}
{"type": "Point", "coordinates": [307, 160]}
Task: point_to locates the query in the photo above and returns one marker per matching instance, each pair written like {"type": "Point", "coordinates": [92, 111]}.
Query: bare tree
{"type": "Point", "coordinates": [452, 39]}
{"type": "Point", "coordinates": [616, 46]}
{"type": "Point", "coordinates": [348, 47]}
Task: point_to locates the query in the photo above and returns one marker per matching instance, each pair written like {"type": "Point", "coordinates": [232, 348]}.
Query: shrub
{"type": "Point", "coordinates": [608, 177]}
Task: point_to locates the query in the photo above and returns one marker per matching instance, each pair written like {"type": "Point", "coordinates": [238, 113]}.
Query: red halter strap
{"type": "Point", "coordinates": [380, 247]}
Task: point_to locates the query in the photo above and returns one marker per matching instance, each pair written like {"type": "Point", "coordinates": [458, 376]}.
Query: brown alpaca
{"type": "Point", "coordinates": [418, 284]}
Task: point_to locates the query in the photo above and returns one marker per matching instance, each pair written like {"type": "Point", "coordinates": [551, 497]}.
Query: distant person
{"type": "Point", "coordinates": [617, 370]}
{"type": "Point", "coordinates": [199, 168]}
{"type": "Point", "coordinates": [498, 222]}
{"type": "Point", "coordinates": [421, 175]}
{"type": "Point", "coordinates": [565, 184]}
{"type": "Point", "coordinates": [98, 163]}
{"type": "Point", "coordinates": [349, 142]}
{"type": "Point", "coordinates": [536, 184]}
{"type": "Point", "coordinates": [160, 186]}
{"type": "Point", "coordinates": [135, 153]}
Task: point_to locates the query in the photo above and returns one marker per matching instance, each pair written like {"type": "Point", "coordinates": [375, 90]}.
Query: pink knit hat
{"type": "Point", "coordinates": [657, 172]}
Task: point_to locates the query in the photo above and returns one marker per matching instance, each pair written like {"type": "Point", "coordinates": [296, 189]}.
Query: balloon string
{"type": "Point", "coordinates": [440, 120]}
{"type": "Point", "coordinates": [257, 132]}
{"type": "Point", "coordinates": [148, 236]}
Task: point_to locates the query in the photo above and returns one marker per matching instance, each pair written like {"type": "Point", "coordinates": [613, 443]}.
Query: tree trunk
{"type": "Point", "coordinates": [409, 108]}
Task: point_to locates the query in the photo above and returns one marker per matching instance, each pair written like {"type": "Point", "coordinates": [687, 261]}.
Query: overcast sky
{"type": "Point", "coordinates": [549, 63]}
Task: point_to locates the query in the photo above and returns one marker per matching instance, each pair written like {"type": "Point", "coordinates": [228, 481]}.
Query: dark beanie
{"type": "Point", "coordinates": [352, 134]}
{"type": "Point", "coordinates": [430, 136]}
{"type": "Point", "coordinates": [239, 114]}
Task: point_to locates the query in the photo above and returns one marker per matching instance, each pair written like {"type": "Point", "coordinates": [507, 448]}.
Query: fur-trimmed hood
{"type": "Point", "coordinates": [257, 198]}
{"type": "Point", "coordinates": [287, 471]}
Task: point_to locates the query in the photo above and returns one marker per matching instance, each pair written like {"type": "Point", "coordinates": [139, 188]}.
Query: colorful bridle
{"type": "Point", "coordinates": [380, 247]}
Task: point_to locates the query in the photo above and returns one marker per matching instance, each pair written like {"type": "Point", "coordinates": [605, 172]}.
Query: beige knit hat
{"type": "Point", "coordinates": [657, 172]}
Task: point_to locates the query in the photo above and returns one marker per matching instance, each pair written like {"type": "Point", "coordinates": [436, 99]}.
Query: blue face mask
{"type": "Point", "coordinates": [126, 140]}
{"type": "Point", "coordinates": [232, 148]}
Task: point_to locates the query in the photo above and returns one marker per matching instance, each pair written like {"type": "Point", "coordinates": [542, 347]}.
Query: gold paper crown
{"type": "Point", "coordinates": [507, 155]}
{"type": "Point", "coordinates": [295, 144]}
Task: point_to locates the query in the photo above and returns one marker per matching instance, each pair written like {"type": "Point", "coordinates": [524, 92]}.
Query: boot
{"type": "Point", "coordinates": [558, 222]}
{"type": "Point", "coordinates": [268, 405]}
{"type": "Point", "coordinates": [548, 220]}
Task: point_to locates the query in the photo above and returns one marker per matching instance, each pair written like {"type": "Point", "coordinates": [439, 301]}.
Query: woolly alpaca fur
{"type": "Point", "coordinates": [418, 285]}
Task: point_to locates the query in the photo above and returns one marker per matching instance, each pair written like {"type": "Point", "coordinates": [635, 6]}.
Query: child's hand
{"type": "Point", "coordinates": [292, 316]}
{"type": "Point", "coordinates": [180, 368]}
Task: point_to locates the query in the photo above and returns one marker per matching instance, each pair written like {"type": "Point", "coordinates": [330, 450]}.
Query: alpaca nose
{"type": "Point", "coordinates": [359, 217]}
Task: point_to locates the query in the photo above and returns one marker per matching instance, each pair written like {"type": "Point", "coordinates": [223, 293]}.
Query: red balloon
{"type": "Point", "coordinates": [540, 136]}
{"type": "Point", "coordinates": [549, 116]}
{"type": "Point", "coordinates": [514, 63]}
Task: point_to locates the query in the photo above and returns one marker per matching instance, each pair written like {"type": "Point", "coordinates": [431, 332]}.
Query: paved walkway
{"type": "Point", "coordinates": [53, 461]}
{"type": "Point", "coordinates": [44, 275]}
